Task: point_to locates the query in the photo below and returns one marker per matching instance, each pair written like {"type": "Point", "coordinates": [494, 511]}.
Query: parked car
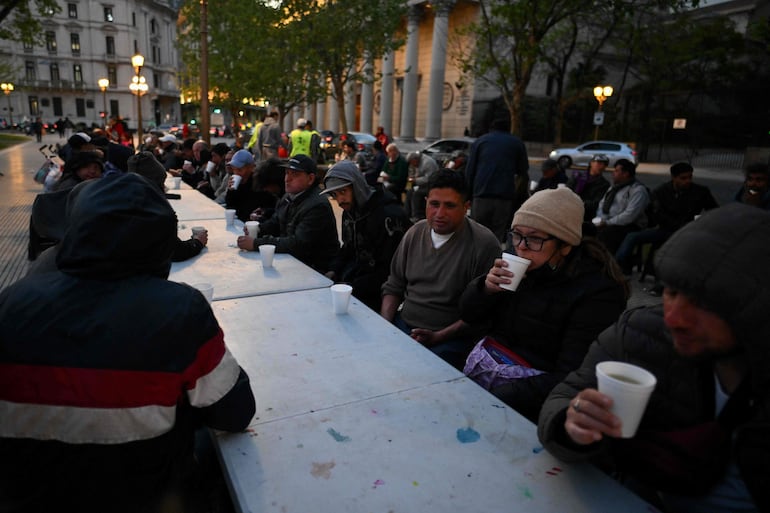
{"type": "Point", "coordinates": [581, 155]}
{"type": "Point", "coordinates": [362, 140]}
{"type": "Point", "coordinates": [444, 149]}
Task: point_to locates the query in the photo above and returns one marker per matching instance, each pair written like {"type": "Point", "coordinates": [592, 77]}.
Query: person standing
{"type": "Point", "coordinates": [381, 136]}
{"type": "Point", "coordinates": [109, 368]}
{"type": "Point", "coordinates": [495, 161]}
{"type": "Point", "coordinates": [300, 139]}
{"type": "Point", "coordinates": [269, 140]}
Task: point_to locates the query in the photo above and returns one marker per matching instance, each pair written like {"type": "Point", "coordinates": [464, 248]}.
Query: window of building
{"type": "Point", "coordinates": [133, 19]}
{"type": "Point", "coordinates": [34, 106]}
{"type": "Point", "coordinates": [80, 107]}
{"type": "Point", "coordinates": [136, 47]}
{"type": "Point", "coordinates": [28, 46]}
{"type": "Point", "coordinates": [75, 44]}
{"type": "Point", "coordinates": [54, 73]}
{"type": "Point", "coordinates": [50, 41]}
{"type": "Point", "coordinates": [110, 43]}
{"type": "Point", "coordinates": [114, 108]}
{"type": "Point", "coordinates": [89, 104]}
{"type": "Point", "coordinates": [155, 81]}
{"type": "Point", "coordinates": [72, 9]}
{"type": "Point", "coordinates": [30, 71]}
{"type": "Point", "coordinates": [153, 26]}
{"type": "Point", "coordinates": [45, 102]}
{"type": "Point", "coordinates": [112, 75]}
{"type": "Point", "coordinates": [57, 110]}
{"type": "Point", "coordinates": [77, 73]}
{"type": "Point", "coordinates": [108, 15]}
{"type": "Point", "coordinates": [156, 55]}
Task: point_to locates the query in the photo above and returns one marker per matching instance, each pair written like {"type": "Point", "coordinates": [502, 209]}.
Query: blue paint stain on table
{"type": "Point", "coordinates": [468, 435]}
{"type": "Point", "coordinates": [337, 436]}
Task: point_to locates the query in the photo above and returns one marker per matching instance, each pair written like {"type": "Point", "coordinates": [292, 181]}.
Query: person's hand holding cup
{"type": "Point", "coordinates": [200, 234]}
{"type": "Point", "coordinates": [187, 166]}
{"type": "Point", "coordinates": [506, 273]}
{"type": "Point", "coordinates": [235, 181]}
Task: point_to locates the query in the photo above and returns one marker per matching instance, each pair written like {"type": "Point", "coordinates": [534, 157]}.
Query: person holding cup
{"type": "Point", "coordinates": [570, 291]}
{"type": "Point", "coordinates": [701, 444]}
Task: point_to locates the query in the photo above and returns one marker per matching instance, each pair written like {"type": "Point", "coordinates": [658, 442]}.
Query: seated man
{"type": "Point", "coordinates": [421, 168]}
{"type": "Point", "coordinates": [674, 204]}
{"type": "Point", "coordinates": [248, 196]}
{"type": "Point", "coordinates": [373, 223]}
{"type": "Point", "coordinates": [703, 439]}
{"type": "Point", "coordinates": [553, 175]}
{"type": "Point", "coordinates": [303, 224]}
{"type": "Point", "coordinates": [622, 209]}
{"type": "Point", "coordinates": [756, 187]}
{"type": "Point", "coordinates": [395, 171]}
{"type": "Point", "coordinates": [435, 261]}
{"type": "Point", "coordinates": [108, 367]}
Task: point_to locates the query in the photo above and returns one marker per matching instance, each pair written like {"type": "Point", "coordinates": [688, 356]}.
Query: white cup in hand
{"type": "Point", "coordinates": [235, 181]}
{"type": "Point", "coordinates": [518, 266]}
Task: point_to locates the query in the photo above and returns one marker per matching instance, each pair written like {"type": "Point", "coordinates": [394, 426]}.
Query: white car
{"type": "Point", "coordinates": [582, 155]}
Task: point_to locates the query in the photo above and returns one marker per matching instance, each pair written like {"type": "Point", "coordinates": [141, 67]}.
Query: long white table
{"type": "Point", "coordinates": [195, 206]}
{"type": "Point", "coordinates": [354, 416]}
{"type": "Point", "coordinates": [236, 273]}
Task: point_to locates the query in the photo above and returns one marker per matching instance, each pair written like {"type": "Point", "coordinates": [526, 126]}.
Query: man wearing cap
{"type": "Point", "coordinates": [421, 168]}
{"type": "Point", "coordinates": [553, 175]}
{"type": "Point", "coordinates": [622, 210]}
{"type": "Point", "coordinates": [245, 197]}
{"type": "Point", "coordinates": [299, 139]}
{"type": "Point", "coordinates": [702, 443]}
{"type": "Point", "coordinates": [436, 259]}
{"type": "Point", "coordinates": [169, 152]}
{"type": "Point", "coordinates": [591, 186]}
{"type": "Point", "coordinates": [81, 166]}
{"type": "Point", "coordinates": [80, 141]}
{"type": "Point", "coordinates": [497, 163]}
{"type": "Point", "coordinates": [373, 223]}
{"type": "Point", "coordinates": [303, 224]}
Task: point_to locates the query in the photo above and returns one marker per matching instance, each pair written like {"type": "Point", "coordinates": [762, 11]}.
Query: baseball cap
{"type": "Point", "coordinates": [78, 139]}
{"type": "Point", "coordinates": [241, 158]}
{"type": "Point", "coordinates": [301, 163]}
{"type": "Point", "coordinates": [601, 158]}
{"type": "Point", "coordinates": [333, 183]}
{"type": "Point", "coordinates": [301, 122]}
{"type": "Point", "coordinates": [168, 138]}
{"type": "Point", "coordinates": [549, 164]}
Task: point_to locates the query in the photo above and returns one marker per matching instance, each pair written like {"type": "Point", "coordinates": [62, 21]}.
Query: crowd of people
{"type": "Point", "coordinates": [412, 253]}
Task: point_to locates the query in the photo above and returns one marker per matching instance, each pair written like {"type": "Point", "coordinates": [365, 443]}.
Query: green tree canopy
{"type": "Point", "coordinates": [20, 19]}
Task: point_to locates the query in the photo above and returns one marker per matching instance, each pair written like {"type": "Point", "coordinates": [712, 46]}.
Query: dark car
{"type": "Point", "coordinates": [444, 149]}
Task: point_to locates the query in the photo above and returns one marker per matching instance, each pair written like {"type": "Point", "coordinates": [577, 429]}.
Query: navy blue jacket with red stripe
{"type": "Point", "coordinates": [106, 368]}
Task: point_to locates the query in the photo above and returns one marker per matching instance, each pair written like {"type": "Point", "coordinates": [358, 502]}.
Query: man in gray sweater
{"type": "Point", "coordinates": [435, 261]}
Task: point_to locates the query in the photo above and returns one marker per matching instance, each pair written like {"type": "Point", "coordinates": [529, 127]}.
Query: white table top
{"type": "Point", "coordinates": [301, 357]}
{"type": "Point", "coordinates": [236, 273]}
{"type": "Point", "coordinates": [445, 447]}
{"type": "Point", "coordinates": [194, 206]}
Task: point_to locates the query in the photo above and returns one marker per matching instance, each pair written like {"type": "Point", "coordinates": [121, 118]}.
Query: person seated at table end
{"type": "Point", "coordinates": [571, 291]}
{"type": "Point", "coordinates": [303, 224]}
{"type": "Point", "coordinates": [109, 368]}
{"type": "Point", "coordinates": [702, 444]}
{"type": "Point", "coordinates": [373, 223]}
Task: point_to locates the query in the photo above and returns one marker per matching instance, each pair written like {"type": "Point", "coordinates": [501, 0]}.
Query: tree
{"type": "Point", "coordinates": [20, 19]}
{"type": "Point", "coordinates": [342, 36]}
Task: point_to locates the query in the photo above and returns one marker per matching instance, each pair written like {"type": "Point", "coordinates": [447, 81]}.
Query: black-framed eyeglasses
{"type": "Point", "coordinates": [531, 243]}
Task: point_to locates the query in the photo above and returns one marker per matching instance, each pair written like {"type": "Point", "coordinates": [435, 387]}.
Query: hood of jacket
{"type": "Point", "coordinates": [348, 171]}
{"type": "Point", "coordinates": [118, 226]}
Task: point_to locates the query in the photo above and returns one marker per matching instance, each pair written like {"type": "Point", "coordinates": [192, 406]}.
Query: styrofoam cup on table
{"type": "Point", "coordinates": [341, 297]}
{"type": "Point", "coordinates": [230, 216]}
{"type": "Point", "coordinates": [267, 252]}
{"type": "Point", "coordinates": [630, 388]}
{"type": "Point", "coordinates": [198, 229]}
{"type": "Point", "coordinates": [177, 182]}
{"type": "Point", "coordinates": [252, 229]}
{"type": "Point", "coordinates": [207, 289]}
{"type": "Point", "coordinates": [518, 266]}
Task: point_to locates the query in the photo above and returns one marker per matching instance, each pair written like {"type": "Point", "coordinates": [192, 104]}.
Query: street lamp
{"type": "Point", "coordinates": [7, 87]}
{"type": "Point", "coordinates": [601, 93]}
{"type": "Point", "coordinates": [138, 87]}
{"type": "Point", "coordinates": [104, 83]}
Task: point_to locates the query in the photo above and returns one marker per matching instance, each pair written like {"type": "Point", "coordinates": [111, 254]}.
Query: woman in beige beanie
{"type": "Point", "coordinates": [572, 290]}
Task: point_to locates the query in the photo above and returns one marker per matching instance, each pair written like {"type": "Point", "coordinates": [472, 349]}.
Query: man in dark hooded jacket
{"type": "Point", "coordinates": [107, 368]}
{"type": "Point", "coordinates": [702, 444]}
{"type": "Point", "coordinates": [373, 223]}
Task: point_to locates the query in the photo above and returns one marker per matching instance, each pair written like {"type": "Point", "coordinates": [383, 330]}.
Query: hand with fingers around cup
{"type": "Point", "coordinates": [589, 418]}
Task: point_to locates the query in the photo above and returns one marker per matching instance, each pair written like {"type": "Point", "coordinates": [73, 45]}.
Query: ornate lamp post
{"type": "Point", "coordinates": [138, 87]}
{"type": "Point", "coordinates": [601, 93]}
{"type": "Point", "coordinates": [103, 85]}
{"type": "Point", "coordinates": [7, 87]}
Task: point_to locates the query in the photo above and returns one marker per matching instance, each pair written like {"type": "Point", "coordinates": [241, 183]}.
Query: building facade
{"type": "Point", "coordinates": [89, 40]}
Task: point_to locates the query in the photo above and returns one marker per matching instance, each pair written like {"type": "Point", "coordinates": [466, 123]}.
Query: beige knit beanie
{"type": "Point", "coordinates": [557, 212]}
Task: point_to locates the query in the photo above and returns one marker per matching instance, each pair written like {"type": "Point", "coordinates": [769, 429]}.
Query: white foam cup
{"type": "Point", "coordinates": [230, 216]}
{"type": "Point", "coordinates": [597, 221]}
{"type": "Point", "coordinates": [533, 185]}
{"type": "Point", "coordinates": [187, 163]}
{"type": "Point", "coordinates": [561, 186]}
{"type": "Point", "coordinates": [518, 266]}
{"type": "Point", "coordinates": [210, 166]}
{"type": "Point", "coordinates": [198, 229]}
{"type": "Point", "coordinates": [177, 182]}
{"type": "Point", "coordinates": [252, 229]}
{"type": "Point", "coordinates": [267, 251]}
{"type": "Point", "coordinates": [236, 181]}
{"type": "Point", "coordinates": [207, 289]}
{"type": "Point", "coordinates": [341, 297]}
{"type": "Point", "coordinates": [629, 387]}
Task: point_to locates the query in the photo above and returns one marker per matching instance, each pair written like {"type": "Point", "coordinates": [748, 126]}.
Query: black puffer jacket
{"type": "Point", "coordinates": [550, 321]}
{"type": "Point", "coordinates": [108, 366]}
{"type": "Point", "coordinates": [720, 261]}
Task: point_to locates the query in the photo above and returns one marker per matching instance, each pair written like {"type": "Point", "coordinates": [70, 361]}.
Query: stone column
{"type": "Point", "coordinates": [350, 105]}
{"type": "Point", "coordinates": [367, 97]}
{"type": "Point", "coordinates": [438, 68]}
{"type": "Point", "coordinates": [386, 94]}
{"type": "Point", "coordinates": [334, 115]}
{"type": "Point", "coordinates": [409, 104]}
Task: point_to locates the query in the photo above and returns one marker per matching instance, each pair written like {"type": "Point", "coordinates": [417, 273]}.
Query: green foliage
{"type": "Point", "coordinates": [20, 19]}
